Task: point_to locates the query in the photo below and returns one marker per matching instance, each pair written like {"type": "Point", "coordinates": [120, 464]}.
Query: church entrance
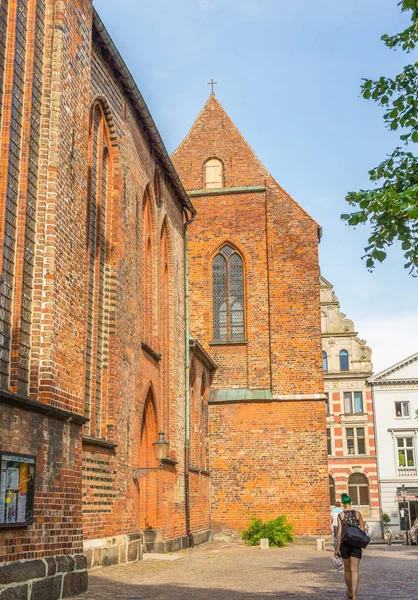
{"type": "Point", "coordinates": [148, 486]}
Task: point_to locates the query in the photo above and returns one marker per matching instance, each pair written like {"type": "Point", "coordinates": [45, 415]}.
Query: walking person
{"type": "Point", "coordinates": [334, 521]}
{"type": "Point", "coordinates": [351, 555]}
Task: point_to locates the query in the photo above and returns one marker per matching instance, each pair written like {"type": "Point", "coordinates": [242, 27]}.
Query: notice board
{"type": "Point", "coordinates": [17, 489]}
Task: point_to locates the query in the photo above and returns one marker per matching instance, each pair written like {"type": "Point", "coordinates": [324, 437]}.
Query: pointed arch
{"type": "Point", "coordinates": [148, 271]}
{"type": "Point", "coordinates": [148, 501]}
{"type": "Point", "coordinates": [228, 295]}
{"type": "Point", "coordinates": [101, 190]}
{"type": "Point", "coordinates": [158, 190]}
{"type": "Point", "coordinates": [166, 315]}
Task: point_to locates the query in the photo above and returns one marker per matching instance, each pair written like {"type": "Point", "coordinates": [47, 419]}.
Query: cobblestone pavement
{"type": "Point", "coordinates": [222, 571]}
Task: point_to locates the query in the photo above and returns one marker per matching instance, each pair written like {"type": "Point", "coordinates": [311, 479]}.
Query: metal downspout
{"type": "Point", "coordinates": [268, 286]}
{"type": "Point", "coordinates": [187, 383]}
{"type": "Point", "coordinates": [376, 451]}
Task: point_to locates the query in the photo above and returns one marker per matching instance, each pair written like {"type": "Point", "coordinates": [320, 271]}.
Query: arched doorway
{"type": "Point", "coordinates": [148, 486]}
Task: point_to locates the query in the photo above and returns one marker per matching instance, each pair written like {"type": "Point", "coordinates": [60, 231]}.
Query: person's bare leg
{"type": "Point", "coordinates": [347, 575]}
{"type": "Point", "coordinates": [355, 563]}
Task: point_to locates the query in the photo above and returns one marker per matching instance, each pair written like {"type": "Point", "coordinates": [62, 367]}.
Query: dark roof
{"type": "Point", "coordinates": [142, 111]}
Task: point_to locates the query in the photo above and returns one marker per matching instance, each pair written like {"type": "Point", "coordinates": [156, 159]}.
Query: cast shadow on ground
{"type": "Point", "coordinates": [124, 591]}
{"type": "Point", "coordinates": [314, 575]}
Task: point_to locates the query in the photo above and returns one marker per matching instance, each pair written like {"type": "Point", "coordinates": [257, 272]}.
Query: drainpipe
{"type": "Point", "coordinates": [376, 450]}
{"type": "Point", "coordinates": [187, 382]}
{"type": "Point", "coordinates": [268, 283]}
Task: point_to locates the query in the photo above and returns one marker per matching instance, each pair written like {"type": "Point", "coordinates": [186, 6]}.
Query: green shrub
{"type": "Point", "coordinates": [277, 531]}
{"type": "Point", "coordinates": [386, 518]}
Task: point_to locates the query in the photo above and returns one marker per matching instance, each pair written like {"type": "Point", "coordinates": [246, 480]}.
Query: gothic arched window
{"type": "Point", "coordinates": [157, 188]}
{"type": "Point", "coordinates": [148, 272]}
{"type": "Point", "coordinates": [165, 317]}
{"type": "Point", "coordinates": [228, 296]}
{"type": "Point", "coordinates": [343, 360]}
{"type": "Point", "coordinates": [358, 489]}
{"type": "Point", "coordinates": [324, 360]}
{"type": "Point", "coordinates": [99, 175]}
{"type": "Point", "coordinates": [213, 174]}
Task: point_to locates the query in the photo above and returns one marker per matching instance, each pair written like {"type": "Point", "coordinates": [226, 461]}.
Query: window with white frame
{"type": "Point", "coordinates": [356, 442]}
{"type": "Point", "coordinates": [406, 454]}
{"type": "Point", "coordinates": [402, 410]}
{"type": "Point", "coordinates": [353, 403]}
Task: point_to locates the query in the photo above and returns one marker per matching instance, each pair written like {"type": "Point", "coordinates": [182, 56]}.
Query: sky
{"type": "Point", "coordinates": [289, 76]}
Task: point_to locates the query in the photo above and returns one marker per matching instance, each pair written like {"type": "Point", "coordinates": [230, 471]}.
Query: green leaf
{"type": "Point", "coordinates": [380, 255]}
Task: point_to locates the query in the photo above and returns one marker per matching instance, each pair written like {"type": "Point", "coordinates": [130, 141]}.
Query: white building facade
{"type": "Point", "coordinates": [395, 398]}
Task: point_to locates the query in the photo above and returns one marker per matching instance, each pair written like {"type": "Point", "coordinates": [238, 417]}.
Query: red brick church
{"type": "Point", "coordinates": [254, 296]}
{"type": "Point", "coordinates": [104, 340]}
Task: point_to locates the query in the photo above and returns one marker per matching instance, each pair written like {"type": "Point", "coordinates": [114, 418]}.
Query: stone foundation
{"type": "Point", "coordinates": [153, 541]}
{"type": "Point", "coordinates": [129, 548]}
{"type": "Point", "coordinates": [44, 579]}
{"type": "Point", "coordinates": [113, 550]}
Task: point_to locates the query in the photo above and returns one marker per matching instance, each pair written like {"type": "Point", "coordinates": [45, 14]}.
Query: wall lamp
{"type": "Point", "coordinates": [160, 450]}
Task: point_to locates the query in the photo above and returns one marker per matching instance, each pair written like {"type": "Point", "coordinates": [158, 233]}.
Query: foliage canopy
{"type": "Point", "coordinates": [391, 207]}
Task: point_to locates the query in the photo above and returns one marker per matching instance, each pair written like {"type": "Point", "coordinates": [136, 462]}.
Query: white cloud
{"type": "Point", "coordinates": [391, 338]}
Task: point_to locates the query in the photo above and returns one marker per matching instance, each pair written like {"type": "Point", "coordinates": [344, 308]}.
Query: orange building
{"type": "Point", "coordinates": [254, 305]}
{"type": "Point", "coordinates": [350, 420]}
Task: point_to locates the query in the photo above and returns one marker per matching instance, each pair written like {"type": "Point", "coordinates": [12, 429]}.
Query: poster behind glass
{"type": "Point", "coordinates": [17, 489]}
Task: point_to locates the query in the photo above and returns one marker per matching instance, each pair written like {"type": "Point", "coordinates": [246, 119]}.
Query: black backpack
{"type": "Point", "coordinates": [353, 536]}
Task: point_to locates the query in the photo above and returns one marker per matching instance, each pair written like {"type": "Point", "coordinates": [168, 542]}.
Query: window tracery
{"type": "Point", "coordinates": [228, 296]}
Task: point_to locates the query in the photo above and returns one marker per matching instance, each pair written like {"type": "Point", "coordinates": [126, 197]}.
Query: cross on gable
{"type": "Point", "coordinates": [212, 83]}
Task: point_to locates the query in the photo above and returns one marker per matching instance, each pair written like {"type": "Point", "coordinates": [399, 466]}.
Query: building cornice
{"type": "Point", "coordinates": [249, 189]}
{"type": "Point", "coordinates": [201, 353]}
{"type": "Point", "coordinates": [409, 382]}
{"type": "Point", "coordinates": [47, 410]}
{"type": "Point", "coordinates": [350, 375]}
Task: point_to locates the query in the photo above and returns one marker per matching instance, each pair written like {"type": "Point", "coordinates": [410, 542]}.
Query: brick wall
{"type": "Point", "coordinates": [265, 462]}
{"type": "Point", "coordinates": [47, 287]}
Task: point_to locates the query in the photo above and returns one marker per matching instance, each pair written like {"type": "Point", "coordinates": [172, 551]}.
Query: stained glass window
{"type": "Point", "coordinates": [228, 296]}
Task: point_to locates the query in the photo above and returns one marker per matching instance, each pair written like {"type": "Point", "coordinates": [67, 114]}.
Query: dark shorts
{"type": "Point", "coordinates": [346, 551]}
